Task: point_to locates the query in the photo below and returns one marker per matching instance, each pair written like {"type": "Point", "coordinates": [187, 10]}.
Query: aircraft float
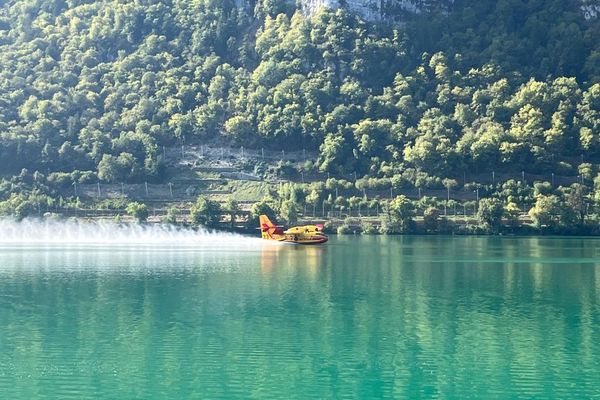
{"type": "Point", "coordinates": [307, 234]}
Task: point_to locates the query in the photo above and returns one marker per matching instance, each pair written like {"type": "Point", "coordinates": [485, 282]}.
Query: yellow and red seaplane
{"type": "Point", "coordinates": [308, 234]}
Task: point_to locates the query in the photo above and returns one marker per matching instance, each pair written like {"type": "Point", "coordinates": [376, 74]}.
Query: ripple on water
{"type": "Point", "coordinates": [363, 318]}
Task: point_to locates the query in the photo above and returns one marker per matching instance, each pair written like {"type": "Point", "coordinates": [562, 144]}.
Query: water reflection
{"type": "Point", "coordinates": [309, 258]}
{"type": "Point", "coordinates": [360, 318]}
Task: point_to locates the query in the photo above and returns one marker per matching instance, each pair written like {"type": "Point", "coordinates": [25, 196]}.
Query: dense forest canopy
{"type": "Point", "coordinates": [95, 88]}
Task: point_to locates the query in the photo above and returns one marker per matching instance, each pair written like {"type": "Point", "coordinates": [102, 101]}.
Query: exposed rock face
{"type": "Point", "coordinates": [369, 9]}
{"type": "Point", "coordinates": [381, 9]}
{"type": "Point", "coordinates": [590, 8]}
{"type": "Point", "coordinates": [378, 9]}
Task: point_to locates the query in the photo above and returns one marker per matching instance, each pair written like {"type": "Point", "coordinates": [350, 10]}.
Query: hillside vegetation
{"type": "Point", "coordinates": [94, 91]}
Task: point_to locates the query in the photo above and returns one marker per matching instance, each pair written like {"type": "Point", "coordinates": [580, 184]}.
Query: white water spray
{"type": "Point", "coordinates": [74, 232]}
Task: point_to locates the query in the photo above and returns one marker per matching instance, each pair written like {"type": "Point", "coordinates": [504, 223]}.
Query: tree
{"type": "Point", "coordinates": [433, 150]}
{"type": "Point", "coordinates": [239, 128]}
{"type": "Point", "coordinates": [490, 213]}
{"type": "Point", "coordinates": [401, 211]}
{"type": "Point", "coordinates": [172, 215]}
{"type": "Point", "coordinates": [431, 219]}
{"type": "Point", "coordinates": [575, 203]}
{"type": "Point", "coordinates": [18, 205]}
{"type": "Point", "coordinates": [118, 169]}
{"type": "Point", "coordinates": [512, 212]}
{"type": "Point", "coordinates": [138, 211]}
{"type": "Point", "coordinates": [335, 152]}
{"type": "Point", "coordinates": [313, 198]}
{"type": "Point", "coordinates": [545, 211]}
{"type": "Point", "coordinates": [449, 184]}
{"type": "Point", "coordinates": [588, 119]}
{"type": "Point", "coordinates": [233, 209]}
{"type": "Point", "coordinates": [385, 228]}
{"type": "Point", "coordinates": [354, 203]}
{"type": "Point", "coordinates": [527, 127]}
{"type": "Point", "coordinates": [205, 212]}
{"type": "Point", "coordinates": [483, 86]}
{"type": "Point", "coordinates": [586, 171]}
{"type": "Point", "coordinates": [264, 207]}
{"type": "Point", "coordinates": [289, 211]}
{"type": "Point", "coordinates": [482, 142]}
{"type": "Point", "coordinates": [367, 228]}
{"type": "Point", "coordinates": [371, 136]}
{"type": "Point", "coordinates": [108, 169]}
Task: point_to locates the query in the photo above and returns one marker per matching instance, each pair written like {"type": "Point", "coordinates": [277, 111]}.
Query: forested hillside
{"type": "Point", "coordinates": [92, 90]}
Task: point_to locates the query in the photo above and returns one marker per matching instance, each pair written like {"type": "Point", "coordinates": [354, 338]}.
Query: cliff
{"type": "Point", "coordinates": [375, 9]}
{"type": "Point", "coordinates": [379, 9]}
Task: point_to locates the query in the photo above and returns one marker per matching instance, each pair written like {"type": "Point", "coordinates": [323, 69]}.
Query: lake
{"type": "Point", "coordinates": [360, 317]}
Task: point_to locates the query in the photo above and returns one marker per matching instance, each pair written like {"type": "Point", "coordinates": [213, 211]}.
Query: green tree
{"type": "Point", "coordinates": [588, 119]}
{"type": "Point", "coordinates": [490, 213]}
{"type": "Point", "coordinates": [401, 211]}
{"type": "Point", "coordinates": [108, 169]}
{"type": "Point", "coordinates": [367, 228]}
{"type": "Point", "coordinates": [449, 184]}
{"type": "Point", "coordinates": [205, 212]}
{"type": "Point", "coordinates": [431, 219]}
{"type": "Point", "coordinates": [575, 203]}
{"type": "Point", "coordinates": [512, 213]}
{"type": "Point", "coordinates": [263, 207]}
{"type": "Point", "coordinates": [138, 211]}
{"type": "Point", "coordinates": [545, 212]}
{"type": "Point", "coordinates": [239, 128]}
{"type": "Point", "coordinates": [289, 211]}
{"type": "Point", "coordinates": [385, 227]}
{"type": "Point", "coordinates": [232, 208]}
{"type": "Point", "coordinates": [463, 86]}
{"type": "Point", "coordinates": [335, 153]}
{"type": "Point", "coordinates": [172, 215]}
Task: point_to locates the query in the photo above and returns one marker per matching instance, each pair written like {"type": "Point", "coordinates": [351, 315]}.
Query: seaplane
{"type": "Point", "coordinates": [307, 234]}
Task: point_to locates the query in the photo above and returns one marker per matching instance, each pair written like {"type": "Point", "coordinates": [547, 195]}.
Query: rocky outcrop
{"type": "Point", "coordinates": [380, 9]}
{"type": "Point", "coordinates": [371, 9]}
{"type": "Point", "coordinates": [591, 9]}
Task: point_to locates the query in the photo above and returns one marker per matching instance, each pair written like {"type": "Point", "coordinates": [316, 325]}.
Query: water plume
{"type": "Point", "coordinates": [106, 233]}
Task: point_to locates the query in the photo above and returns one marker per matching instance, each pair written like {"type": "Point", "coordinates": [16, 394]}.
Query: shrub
{"type": "Point", "coordinates": [139, 211]}
{"type": "Point", "coordinates": [172, 214]}
{"type": "Point", "coordinates": [367, 228]}
{"type": "Point", "coordinates": [344, 230]}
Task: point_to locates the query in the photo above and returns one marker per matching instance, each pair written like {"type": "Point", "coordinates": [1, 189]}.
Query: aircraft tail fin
{"type": "Point", "coordinates": [267, 228]}
{"type": "Point", "coordinates": [265, 223]}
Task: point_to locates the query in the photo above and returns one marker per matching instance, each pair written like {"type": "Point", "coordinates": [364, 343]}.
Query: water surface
{"type": "Point", "coordinates": [429, 317]}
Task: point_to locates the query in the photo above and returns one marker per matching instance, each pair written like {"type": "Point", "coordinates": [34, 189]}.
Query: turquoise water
{"type": "Point", "coordinates": [404, 317]}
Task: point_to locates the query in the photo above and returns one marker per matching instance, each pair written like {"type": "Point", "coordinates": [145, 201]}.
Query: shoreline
{"type": "Point", "coordinates": [332, 227]}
